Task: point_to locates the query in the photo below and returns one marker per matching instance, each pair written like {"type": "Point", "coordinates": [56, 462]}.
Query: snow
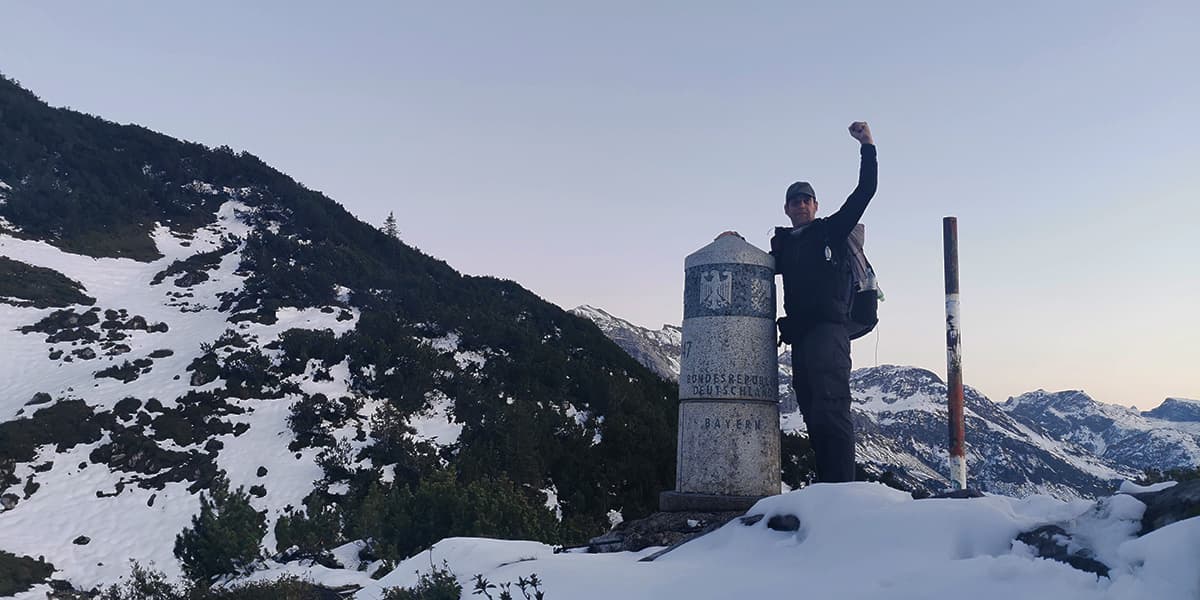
{"type": "Point", "coordinates": [552, 505]}
{"type": "Point", "coordinates": [1128, 487]}
{"type": "Point", "coordinates": [615, 518]}
{"type": "Point", "coordinates": [436, 422]}
{"type": "Point", "coordinates": [290, 476]}
{"type": "Point", "coordinates": [123, 525]}
{"type": "Point", "coordinates": [860, 540]}
{"type": "Point", "coordinates": [449, 343]}
{"type": "Point", "coordinates": [122, 283]}
{"type": "Point", "coordinates": [69, 493]}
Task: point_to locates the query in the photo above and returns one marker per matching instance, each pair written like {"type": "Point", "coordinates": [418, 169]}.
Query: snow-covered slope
{"type": "Point", "coordinates": [173, 316]}
{"type": "Point", "coordinates": [1163, 438]}
{"type": "Point", "coordinates": [106, 486]}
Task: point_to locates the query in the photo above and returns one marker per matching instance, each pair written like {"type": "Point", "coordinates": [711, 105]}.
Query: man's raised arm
{"type": "Point", "coordinates": [842, 221]}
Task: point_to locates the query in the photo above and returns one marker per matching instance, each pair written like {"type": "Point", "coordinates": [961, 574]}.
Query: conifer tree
{"type": "Point", "coordinates": [389, 225]}
{"type": "Point", "coordinates": [224, 537]}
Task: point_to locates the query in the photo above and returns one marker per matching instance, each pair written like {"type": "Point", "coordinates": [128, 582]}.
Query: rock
{"type": "Point", "coordinates": [9, 501]}
{"type": "Point", "coordinates": [784, 523]}
{"type": "Point", "coordinates": [749, 520]}
{"type": "Point", "coordinates": [39, 398]}
{"type": "Point", "coordinates": [1053, 542]}
{"type": "Point", "coordinates": [190, 279]}
{"type": "Point", "coordinates": [262, 471]}
{"type": "Point", "coordinates": [959, 494]}
{"type": "Point", "coordinates": [1176, 503]}
{"type": "Point", "coordinates": [82, 540]}
{"type": "Point", "coordinates": [659, 529]}
{"type": "Point", "coordinates": [258, 491]}
{"type": "Point", "coordinates": [85, 353]}
{"type": "Point", "coordinates": [200, 377]}
{"type": "Point", "coordinates": [162, 353]}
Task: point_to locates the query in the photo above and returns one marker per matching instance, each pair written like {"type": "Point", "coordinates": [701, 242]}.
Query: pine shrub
{"type": "Point", "coordinates": [438, 584]}
{"type": "Point", "coordinates": [224, 537]}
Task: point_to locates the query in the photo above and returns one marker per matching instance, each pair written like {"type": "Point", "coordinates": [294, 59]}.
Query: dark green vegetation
{"type": "Point", "coordinates": [41, 287]}
{"type": "Point", "coordinates": [224, 537]}
{"type": "Point", "coordinates": [192, 269]}
{"type": "Point", "coordinates": [797, 460]}
{"type": "Point", "coordinates": [438, 584]}
{"type": "Point", "coordinates": [1153, 476]}
{"type": "Point", "coordinates": [19, 573]}
{"type": "Point", "coordinates": [147, 584]}
{"type": "Point", "coordinates": [65, 424]}
{"type": "Point", "coordinates": [530, 588]}
{"type": "Point", "coordinates": [555, 403]}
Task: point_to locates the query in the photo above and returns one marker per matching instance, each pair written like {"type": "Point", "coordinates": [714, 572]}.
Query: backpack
{"type": "Point", "coordinates": [865, 294]}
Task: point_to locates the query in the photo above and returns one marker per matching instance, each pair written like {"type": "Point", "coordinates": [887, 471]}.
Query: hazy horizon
{"type": "Point", "coordinates": [584, 151]}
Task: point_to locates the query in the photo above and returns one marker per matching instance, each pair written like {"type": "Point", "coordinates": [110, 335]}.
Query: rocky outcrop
{"type": "Point", "coordinates": [659, 529]}
{"type": "Point", "coordinates": [1176, 503]}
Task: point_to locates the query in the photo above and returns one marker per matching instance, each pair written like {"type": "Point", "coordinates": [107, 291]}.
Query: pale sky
{"type": "Point", "coordinates": [584, 151]}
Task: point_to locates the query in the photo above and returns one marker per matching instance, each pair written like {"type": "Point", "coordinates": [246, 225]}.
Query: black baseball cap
{"type": "Point", "coordinates": [800, 188]}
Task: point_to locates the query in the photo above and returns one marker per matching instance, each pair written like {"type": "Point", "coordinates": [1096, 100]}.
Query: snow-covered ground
{"type": "Point", "coordinates": [79, 498]}
{"type": "Point", "coordinates": [859, 540]}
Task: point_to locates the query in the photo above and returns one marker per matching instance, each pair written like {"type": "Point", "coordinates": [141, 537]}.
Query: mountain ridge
{"type": "Point", "coordinates": [900, 416]}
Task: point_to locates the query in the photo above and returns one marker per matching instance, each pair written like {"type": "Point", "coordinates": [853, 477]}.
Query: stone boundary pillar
{"type": "Point", "coordinates": [728, 453]}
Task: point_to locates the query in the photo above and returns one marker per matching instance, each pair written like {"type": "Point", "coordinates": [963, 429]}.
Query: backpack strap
{"type": "Point", "coordinates": [859, 267]}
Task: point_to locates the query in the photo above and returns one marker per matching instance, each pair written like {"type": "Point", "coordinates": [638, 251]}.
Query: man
{"type": "Point", "coordinates": [812, 257]}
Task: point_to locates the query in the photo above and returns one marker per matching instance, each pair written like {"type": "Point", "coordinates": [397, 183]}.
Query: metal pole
{"type": "Point", "coordinates": [954, 385]}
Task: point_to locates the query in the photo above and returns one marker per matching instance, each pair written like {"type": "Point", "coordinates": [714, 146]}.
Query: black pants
{"type": "Point", "coordinates": [821, 377]}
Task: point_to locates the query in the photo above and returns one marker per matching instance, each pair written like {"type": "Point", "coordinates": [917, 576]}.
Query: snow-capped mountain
{"type": "Point", "coordinates": [656, 349]}
{"type": "Point", "coordinates": [908, 405]}
{"type": "Point", "coordinates": [1163, 438]}
{"type": "Point", "coordinates": [660, 349]}
{"type": "Point", "coordinates": [1064, 444]}
{"type": "Point", "coordinates": [1176, 409]}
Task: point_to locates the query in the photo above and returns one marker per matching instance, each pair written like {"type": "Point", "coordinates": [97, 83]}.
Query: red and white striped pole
{"type": "Point", "coordinates": [954, 385]}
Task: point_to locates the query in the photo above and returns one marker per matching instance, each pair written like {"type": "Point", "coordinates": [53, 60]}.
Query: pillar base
{"type": "Point", "coordinates": [673, 501]}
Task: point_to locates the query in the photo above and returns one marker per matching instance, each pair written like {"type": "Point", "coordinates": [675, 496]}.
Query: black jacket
{"type": "Point", "coordinates": [816, 282]}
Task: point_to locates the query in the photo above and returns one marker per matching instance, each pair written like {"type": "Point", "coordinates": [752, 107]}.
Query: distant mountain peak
{"type": "Point", "coordinates": [1176, 409]}
{"type": "Point", "coordinates": [658, 350]}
